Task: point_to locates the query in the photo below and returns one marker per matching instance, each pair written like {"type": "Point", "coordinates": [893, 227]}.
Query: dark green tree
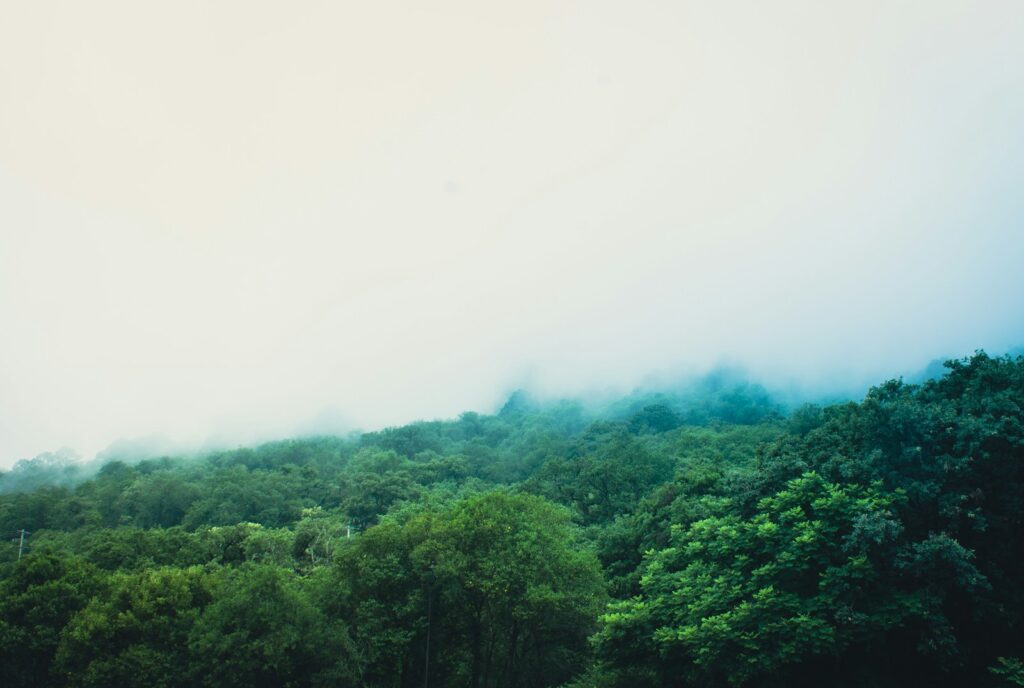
{"type": "Point", "coordinates": [496, 582]}
{"type": "Point", "coordinates": [37, 599]}
{"type": "Point", "coordinates": [262, 631]}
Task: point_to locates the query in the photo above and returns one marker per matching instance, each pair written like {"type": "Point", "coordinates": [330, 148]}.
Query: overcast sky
{"type": "Point", "coordinates": [251, 219]}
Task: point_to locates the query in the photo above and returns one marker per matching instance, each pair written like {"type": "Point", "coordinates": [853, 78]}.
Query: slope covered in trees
{"type": "Point", "coordinates": [699, 539]}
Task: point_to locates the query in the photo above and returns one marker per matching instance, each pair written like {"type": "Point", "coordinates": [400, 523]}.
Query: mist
{"type": "Point", "coordinates": [221, 224]}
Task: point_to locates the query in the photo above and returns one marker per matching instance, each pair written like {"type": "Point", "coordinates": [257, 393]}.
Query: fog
{"type": "Point", "coordinates": [233, 221]}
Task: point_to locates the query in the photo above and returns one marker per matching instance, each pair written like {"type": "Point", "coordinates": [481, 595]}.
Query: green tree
{"type": "Point", "coordinates": [37, 599]}
{"type": "Point", "coordinates": [137, 635]}
{"type": "Point", "coordinates": [770, 599]}
{"type": "Point", "coordinates": [496, 582]}
{"type": "Point", "coordinates": [262, 631]}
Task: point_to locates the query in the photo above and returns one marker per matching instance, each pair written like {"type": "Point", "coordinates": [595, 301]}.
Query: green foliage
{"type": "Point", "coordinates": [46, 470]}
{"type": "Point", "coordinates": [875, 530]}
{"type": "Point", "coordinates": [497, 580]}
{"type": "Point", "coordinates": [137, 634]}
{"type": "Point", "coordinates": [38, 597]}
{"type": "Point", "coordinates": [654, 418]}
{"type": "Point", "coordinates": [734, 599]}
{"type": "Point", "coordinates": [689, 537]}
{"type": "Point", "coordinates": [1010, 669]}
{"type": "Point", "coordinates": [606, 474]}
{"type": "Point", "coordinates": [261, 631]}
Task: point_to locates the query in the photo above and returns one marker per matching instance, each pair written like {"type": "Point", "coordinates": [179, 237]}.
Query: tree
{"type": "Point", "coordinates": [262, 631]}
{"type": "Point", "coordinates": [495, 581]}
{"type": "Point", "coordinates": [37, 599]}
{"type": "Point", "coordinates": [794, 595]}
{"type": "Point", "coordinates": [137, 635]}
{"type": "Point", "coordinates": [611, 472]}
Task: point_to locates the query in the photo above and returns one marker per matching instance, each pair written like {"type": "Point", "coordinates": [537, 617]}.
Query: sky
{"type": "Point", "coordinates": [234, 221]}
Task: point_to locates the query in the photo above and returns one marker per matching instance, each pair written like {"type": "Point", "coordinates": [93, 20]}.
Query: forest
{"type": "Point", "coordinates": [706, 537]}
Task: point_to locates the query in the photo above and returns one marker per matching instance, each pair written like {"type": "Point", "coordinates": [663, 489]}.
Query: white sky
{"type": "Point", "coordinates": [253, 219]}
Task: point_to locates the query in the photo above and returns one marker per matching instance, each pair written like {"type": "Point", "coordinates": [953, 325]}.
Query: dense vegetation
{"type": "Point", "coordinates": [704, 538]}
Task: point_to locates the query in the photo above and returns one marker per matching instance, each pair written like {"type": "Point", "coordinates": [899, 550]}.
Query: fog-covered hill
{"type": "Point", "coordinates": [706, 537]}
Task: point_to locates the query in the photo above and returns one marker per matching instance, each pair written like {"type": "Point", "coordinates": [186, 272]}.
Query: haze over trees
{"type": "Point", "coordinates": [708, 538]}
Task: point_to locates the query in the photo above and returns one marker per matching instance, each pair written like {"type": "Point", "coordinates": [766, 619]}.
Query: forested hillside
{"type": "Point", "coordinates": [706, 538]}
